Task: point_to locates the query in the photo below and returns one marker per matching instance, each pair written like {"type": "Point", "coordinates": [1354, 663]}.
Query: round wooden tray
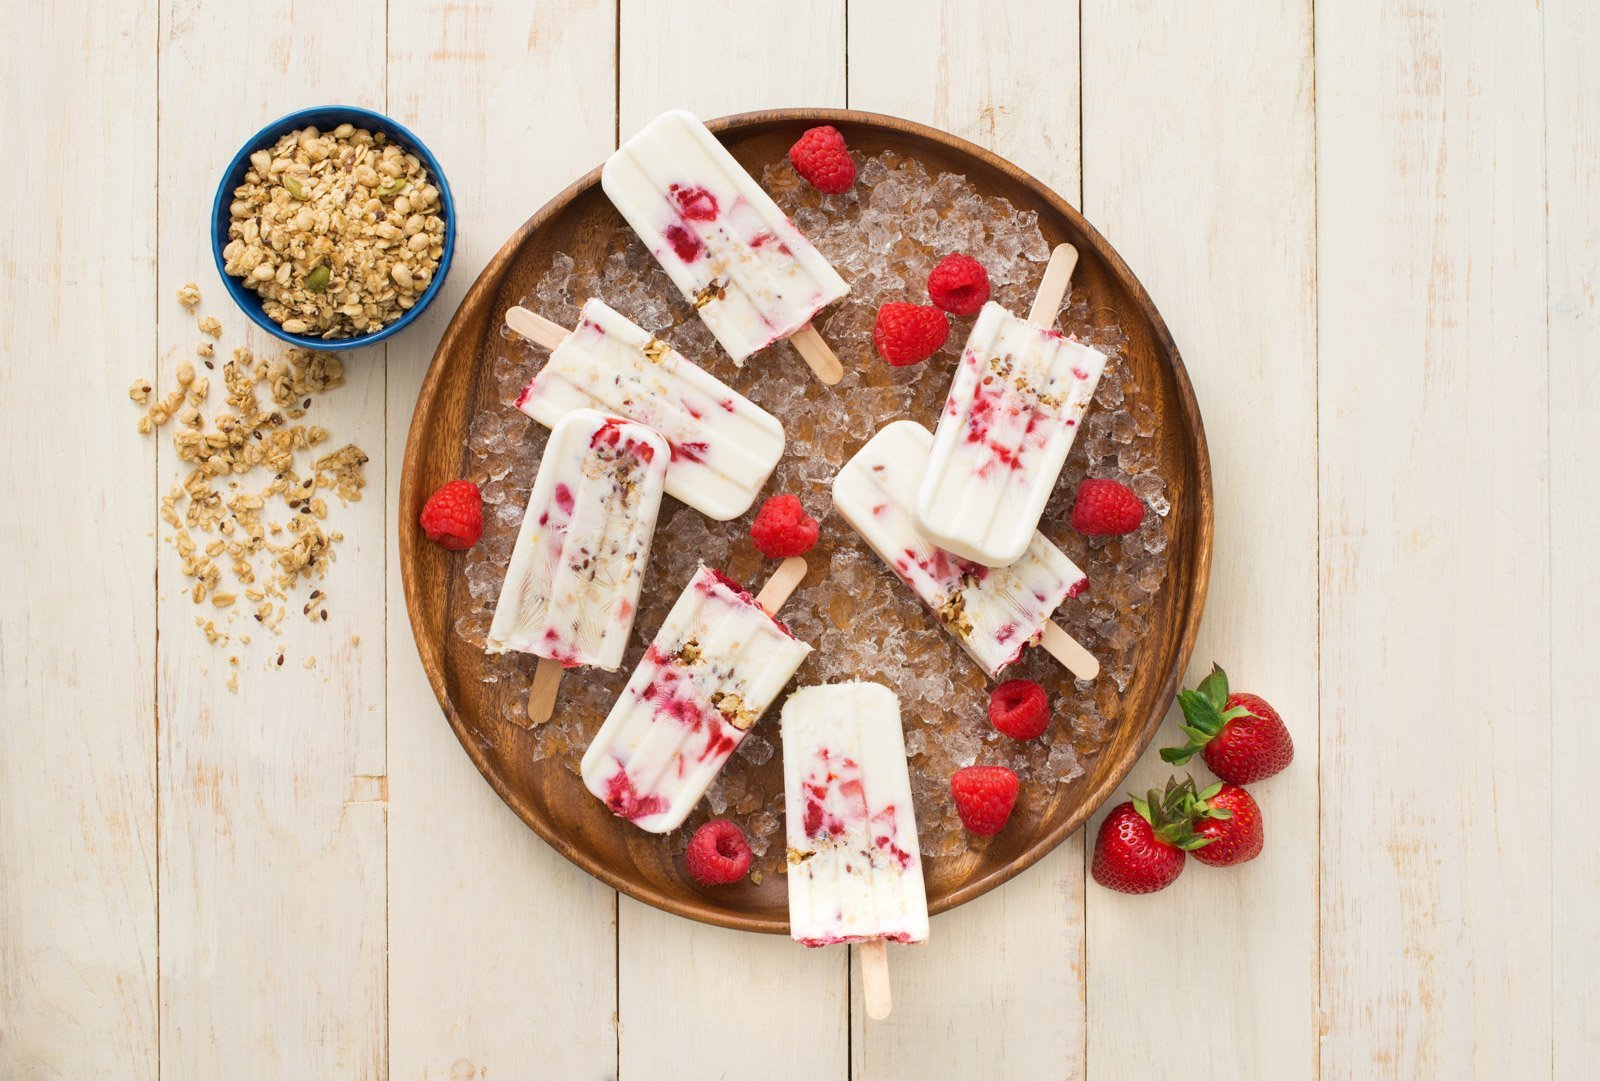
{"type": "Point", "coordinates": [548, 796]}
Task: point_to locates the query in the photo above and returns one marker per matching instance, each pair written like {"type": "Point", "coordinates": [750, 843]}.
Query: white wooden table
{"type": "Point", "coordinates": [1375, 234]}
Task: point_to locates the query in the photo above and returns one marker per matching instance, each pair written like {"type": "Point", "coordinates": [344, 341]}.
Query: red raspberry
{"type": "Point", "coordinates": [1106, 508]}
{"type": "Point", "coordinates": [1018, 708]}
{"type": "Point", "coordinates": [822, 158]}
{"type": "Point", "coordinates": [909, 333]}
{"type": "Point", "coordinates": [959, 284]}
{"type": "Point", "coordinates": [984, 797]}
{"type": "Point", "coordinates": [718, 853]}
{"type": "Point", "coordinates": [453, 516]}
{"type": "Point", "coordinates": [783, 528]}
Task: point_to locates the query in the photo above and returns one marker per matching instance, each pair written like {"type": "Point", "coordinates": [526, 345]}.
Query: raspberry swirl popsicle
{"type": "Point", "coordinates": [715, 666]}
{"type": "Point", "coordinates": [723, 445]}
{"type": "Point", "coordinates": [1015, 404]}
{"type": "Point", "coordinates": [994, 612]}
{"type": "Point", "coordinates": [572, 586]}
{"type": "Point", "coordinates": [735, 256]}
{"type": "Point", "coordinates": [855, 872]}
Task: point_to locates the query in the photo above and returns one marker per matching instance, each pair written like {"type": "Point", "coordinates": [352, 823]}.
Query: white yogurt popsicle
{"type": "Point", "coordinates": [572, 586]}
{"type": "Point", "coordinates": [715, 666]}
{"type": "Point", "coordinates": [723, 445]}
{"type": "Point", "coordinates": [994, 612]}
{"type": "Point", "coordinates": [1015, 404]}
{"type": "Point", "coordinates": [855, 870]}
{"type": "Point", "coordinates": [735, 256]}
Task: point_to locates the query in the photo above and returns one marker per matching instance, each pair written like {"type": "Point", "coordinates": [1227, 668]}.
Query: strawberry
{"type": "Point", "coordinates": [1242, 738]}
{"type": "Point", "coordinates": [1142, 843]}
{"type": "Point", "coordinates": [1227, 816]}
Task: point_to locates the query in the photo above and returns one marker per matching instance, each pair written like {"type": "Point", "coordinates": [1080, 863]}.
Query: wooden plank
{"type": "Point", "coordinates": [1008, 81]}
{"type": "Point", "coordinates": [665, 962]}
{"type": "Point", "coordinates": [1572, 134]}
{"type": "Point", "coordinates": [1435, 554]}
{"type": "Point", "coordinates": [272, 817]}
{"type": "Point", "coordinates": [466, 1000]}
{"type": "Point", "coordinates": [78, 753]}
{"type": "Point", "coordinates": [1225, 242]}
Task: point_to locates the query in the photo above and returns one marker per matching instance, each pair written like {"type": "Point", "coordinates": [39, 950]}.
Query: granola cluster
{"type": "Point", "coordinates": [229, 545]}
{"type": "Point", "coordinates": [340, 232]}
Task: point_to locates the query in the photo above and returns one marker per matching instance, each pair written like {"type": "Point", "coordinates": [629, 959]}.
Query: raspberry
{"type": "Point", "coordinates": [822, 158]}
{"type": "Point", "coordinates": [959, 284]}
{"type": "Point", "coordinates": [909, 333]}
{"type": "Point", "coordinates": [984, 797]}
{"type": "Point", "coordinates": [718, 853]}
{"type": "Point", "coordinates": [783, 528]}
{"type": "Point", "coordinates": [1018, 708]}
{"type": "Point", "coordinates": [1105, 508]}
{"type": "Point", "coordinates": [453, 516]}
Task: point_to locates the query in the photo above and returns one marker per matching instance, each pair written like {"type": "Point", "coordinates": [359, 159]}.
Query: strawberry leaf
{"type": "Point", "coordinates": [1211, 791]}
{"type": "Point", "coordinates": [1215, 687]}
{"type": "Point", "coordinates": [1178, 755]}
{"type": "Point", "coordinates": [1202, 714]}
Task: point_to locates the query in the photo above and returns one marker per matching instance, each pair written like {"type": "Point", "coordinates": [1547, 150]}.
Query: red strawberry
{"type": "Point", "coordinates": [984, 797]}
{"type": "Point", "coordinates": [1227, 816]}
{"type": "Point", "coordinates": [1242, 738]}
{"type": "Point", "coordinates": [1141, 844]}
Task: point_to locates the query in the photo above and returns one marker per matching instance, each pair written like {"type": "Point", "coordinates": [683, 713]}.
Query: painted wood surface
{"type": "Point", "coordinates": [1435, 541]}
{"type": "Point", "coordinates": [1225, 243]}
{"type": "Point", "coordinates": [1373, 231]}
{"type": "Point", "coordinates": [78, 959]}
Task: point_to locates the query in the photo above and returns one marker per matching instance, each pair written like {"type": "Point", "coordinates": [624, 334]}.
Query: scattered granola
{"type": "Point", "coordinates": [205, 350]}
{"type": "Point", "coordinates": [340, 232]}
{"type": "Point", "coordinates": [211, 325]}
{"type": "Point", "coordinates": [189, 296]}
{"type": "Point", "coordinates": [228, 546]}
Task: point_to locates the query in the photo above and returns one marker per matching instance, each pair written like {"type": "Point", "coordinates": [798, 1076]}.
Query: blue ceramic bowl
{"type": "Point", "coordinates": [326, 118]}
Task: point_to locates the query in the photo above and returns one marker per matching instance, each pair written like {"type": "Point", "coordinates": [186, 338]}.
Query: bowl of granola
{"type": "Point", "coordinates": [333, 227]}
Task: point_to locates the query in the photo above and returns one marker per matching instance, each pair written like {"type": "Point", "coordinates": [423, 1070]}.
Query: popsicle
{"type": "Point", "coordinates": [994, 612]}
{"type": "Point", "coordinates": [855, 871]}
{"type": "Point", "coordinates": [733, 254]}
{"type": "Point", "coordinates": [1015, 404]}
{"type": "Point", "coordinates": [572, 586]}
{"type": "Point", "coordinates": [724, 446]}
{"type": "Point", "coordinates": [715, 666]}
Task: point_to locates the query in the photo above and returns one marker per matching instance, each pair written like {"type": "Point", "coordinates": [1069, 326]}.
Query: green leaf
{"type": "Point", "coordinates": [1220, 813]}
{"type": "Point", "coordinates": [1202, 714]}
{"type": "Point", "coordinates": [317, 280]}
{"type": "Point", "coordinates": [1211, 791]}
{"type": "Point", "coordinates": [1142, 807]}
{"type": "Point", "coordinates": [1215, 687]}
{"type": "Point", "coordinates": [1177, 756]}
{"type": "Point", "coordinates": [1189, 844]}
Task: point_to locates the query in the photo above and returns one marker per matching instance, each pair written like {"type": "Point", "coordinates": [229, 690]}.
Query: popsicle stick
{"type": "Point", "coordinates": [783, 582]}
{"type": "Point", "coordinates": [1054, 285]}
{"type": "Point", "coordinates": [817, 355]}
{"type": "Point", "coordinates": [874, 958]}
{"type": "Point", "coordinates": [1066, 649]}
{"type": "Point", "coordinates": [535, 327]}
{"type": "Point", "coordinates": [542, 695]}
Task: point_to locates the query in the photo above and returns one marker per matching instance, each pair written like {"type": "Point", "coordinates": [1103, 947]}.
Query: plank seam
{"type": "Point", "coordinates": [1316, 458]}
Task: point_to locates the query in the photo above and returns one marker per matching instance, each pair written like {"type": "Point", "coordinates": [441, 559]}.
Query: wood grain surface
{"type": "Point", "coordinates": [1373, 231]}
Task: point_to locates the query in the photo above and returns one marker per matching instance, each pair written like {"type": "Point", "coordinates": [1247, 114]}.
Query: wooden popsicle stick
{"type": "Point", "coordinates": [783, 582]}
{"type": "Point", "coordinates": [817, 355]}
{"type": "Point", "coordinates": [535, 327]}
{"type": "Point", "coordinates": [1066, 649]}
{"type": "Point", "coordinates": [542, 695]}
{"type": "Point", "coordinates": [875, 993]}
{"type": "Point", "coordinates": [1054, 285]}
